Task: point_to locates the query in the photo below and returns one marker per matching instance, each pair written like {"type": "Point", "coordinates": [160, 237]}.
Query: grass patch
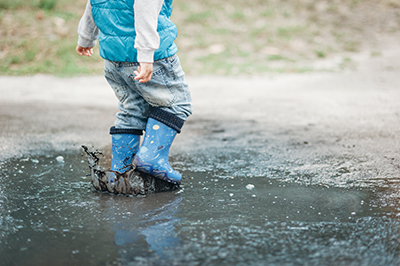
{"type": "Point", "coordinates": [320, 54]}
{"type": "Point", "coordinates": [276, 57]}
{"type": "Point", "coordinates": [11, 4]}
{"type": "Point", "coordinates": [215, 37]}
{"type": "Point", "coordinates": [15, 4]}
{"type": "Point", "coordinates": [47, 4]}
{"type": "Point", "coordinates": [200, 17]}
{"type": "Point", "coordinates": [296, 31]}
{"type": "Point", "coordinates": [40, 37]}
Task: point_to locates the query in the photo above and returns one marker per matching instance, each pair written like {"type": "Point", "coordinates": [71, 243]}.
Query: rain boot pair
{"type": "Point", "coordinates": [152, 156]}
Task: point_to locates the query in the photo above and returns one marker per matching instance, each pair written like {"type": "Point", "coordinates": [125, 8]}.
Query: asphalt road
{"type": "Point", "coordinates": [352, 114]}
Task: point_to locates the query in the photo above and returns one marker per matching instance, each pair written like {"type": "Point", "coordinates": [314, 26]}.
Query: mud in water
{"type": "Point", "coordinates": [51, 215]}
{"type": "Point", "coordinates": [132, 182]}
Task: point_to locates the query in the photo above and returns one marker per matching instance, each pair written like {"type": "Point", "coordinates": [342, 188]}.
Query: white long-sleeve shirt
{"type": "Point", "coordinates": [147, 39]}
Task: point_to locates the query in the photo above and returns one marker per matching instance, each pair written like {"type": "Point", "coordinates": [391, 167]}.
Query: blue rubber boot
{"type": "Point", "coordinates": [152, 157]}
{"type": "Point", "coordinates": [125, 144]}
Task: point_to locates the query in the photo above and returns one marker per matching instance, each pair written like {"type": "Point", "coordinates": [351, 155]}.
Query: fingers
{"type": "Point", "coordinates": [137, 74]}
{"type": "Point", "coordinates": [79, 50]}
{"type": "Point", "coordinates": [86, 51]}
{"type": "Point", "coordinates": [143, 78]}
{"type": "Point", "coordinates": [143, 74]}
{"type": "Point", "coordinates": [89, 52]}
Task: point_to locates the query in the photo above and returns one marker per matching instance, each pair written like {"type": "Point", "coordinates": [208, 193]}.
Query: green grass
{"type": "Point", "coordinates": [300, 31]}
{"type": "Point", "coordinates": [47, 4]}
{"type": "Point", "coordinates": [320, 54]}
{"type": "Point", "coordinates": [39, 36]}
{"type": "Point", "coordinates": [15, 4]}
{"type": "Point", "coordinates": [199, 18]}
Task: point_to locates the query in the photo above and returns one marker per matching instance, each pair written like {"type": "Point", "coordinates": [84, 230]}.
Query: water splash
{"type": "Point", "coordinates": [131, 182]}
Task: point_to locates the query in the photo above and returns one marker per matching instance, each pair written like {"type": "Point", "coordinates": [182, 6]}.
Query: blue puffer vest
{"type": "Point", "coordinates": [115, 19]}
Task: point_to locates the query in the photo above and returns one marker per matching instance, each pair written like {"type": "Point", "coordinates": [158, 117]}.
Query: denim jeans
{"type": "Point", "coordinates": [166, 90]}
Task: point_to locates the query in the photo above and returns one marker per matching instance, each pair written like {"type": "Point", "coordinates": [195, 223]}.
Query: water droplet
{"type": "Point", "coordinates": [60, 159]}
{"type": "Point", "coordinates": [250, 186]}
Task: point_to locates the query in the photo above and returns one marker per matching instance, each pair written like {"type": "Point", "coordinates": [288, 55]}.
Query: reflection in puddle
{"type": "Point", "coordinates": [50, 214]}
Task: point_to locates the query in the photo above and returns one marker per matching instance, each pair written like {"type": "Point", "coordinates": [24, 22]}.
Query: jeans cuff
{"type": "Point", "coordinates": [167, 118]}
{"type": "Point", "coordinates": [114, 130]}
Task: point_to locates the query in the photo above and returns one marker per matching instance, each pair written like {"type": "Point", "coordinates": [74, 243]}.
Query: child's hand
{"type": "Point", "coordinates": [144, 72]}
{"type": "Point", "coordinates": [88, 51]}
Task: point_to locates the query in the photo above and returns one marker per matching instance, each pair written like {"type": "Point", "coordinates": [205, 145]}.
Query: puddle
{"type": "Point", "coordinates": [51, 215]}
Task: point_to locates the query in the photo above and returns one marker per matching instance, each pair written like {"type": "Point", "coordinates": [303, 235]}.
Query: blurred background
{"type": "Point", "coordinates": [215, 37]}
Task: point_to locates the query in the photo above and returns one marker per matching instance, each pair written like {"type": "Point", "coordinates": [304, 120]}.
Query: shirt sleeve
{"type": "Point", "coordinates": [87, 29]}
{"type": "Point", "coordinates": [146, 20]}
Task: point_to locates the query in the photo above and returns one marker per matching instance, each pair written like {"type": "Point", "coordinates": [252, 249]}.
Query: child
{"type": "Point", "coordinates": [136, 39]}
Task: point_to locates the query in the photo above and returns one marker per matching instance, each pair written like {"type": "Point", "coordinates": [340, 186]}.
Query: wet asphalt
{"type": "Point", "coordinates": [281, 169]}
{"type": "Point", "coordinates": [352, 116]}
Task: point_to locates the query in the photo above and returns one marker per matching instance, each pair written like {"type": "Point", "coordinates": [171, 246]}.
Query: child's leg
{"type": "Point", "coordinates": [152, 157]}
{"type": "Point", "coordinates": [169, 96]}
{"type": "Point", "coordinates": [125, 144]}
{"type": "Point", "coordinates": [131, 119]}
{"type": "Point", "coordinates": [133, 108]}
{"type": "Point", "coordinates": [167, 88]}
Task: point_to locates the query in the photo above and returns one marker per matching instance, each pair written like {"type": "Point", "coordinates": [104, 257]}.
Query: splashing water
{"type": "Point", "coordinates": [131, 182]}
